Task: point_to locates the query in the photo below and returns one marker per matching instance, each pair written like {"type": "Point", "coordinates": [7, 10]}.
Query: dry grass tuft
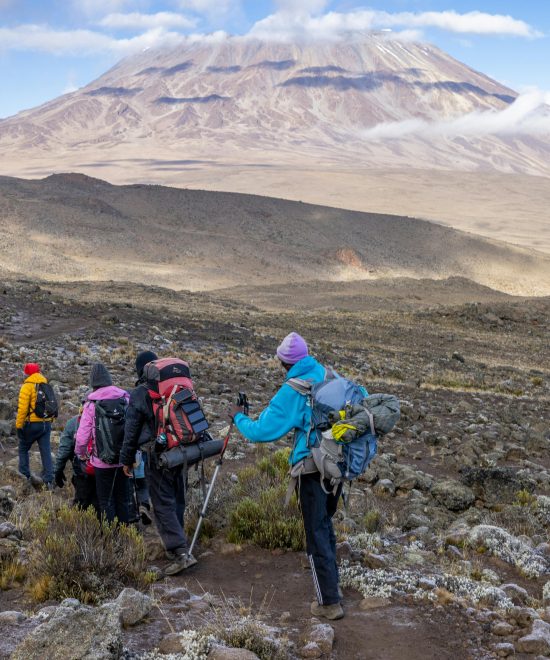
{"type": "Point", "coordinates": [75, 555]}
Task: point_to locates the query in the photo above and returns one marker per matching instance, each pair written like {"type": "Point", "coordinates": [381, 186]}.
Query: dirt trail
{"type": "Point", "coordinates": [278, 586]}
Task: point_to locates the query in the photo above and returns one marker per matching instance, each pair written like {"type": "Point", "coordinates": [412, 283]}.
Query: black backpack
{"type": "Point", "coordinates": [46, 406]}
{"type": "Point", "coordinates": [110, 415]}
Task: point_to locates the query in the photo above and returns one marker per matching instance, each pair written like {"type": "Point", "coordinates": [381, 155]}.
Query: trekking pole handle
{"type": "Point", "coordinates": [242, 400]}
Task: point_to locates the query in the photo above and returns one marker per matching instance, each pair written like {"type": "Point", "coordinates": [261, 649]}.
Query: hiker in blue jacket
{"type": "Point", "coordinates": [289, 410]}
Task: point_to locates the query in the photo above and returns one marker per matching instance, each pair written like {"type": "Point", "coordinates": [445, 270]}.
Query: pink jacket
{"type": "Point", "coordinates": [86, 428]}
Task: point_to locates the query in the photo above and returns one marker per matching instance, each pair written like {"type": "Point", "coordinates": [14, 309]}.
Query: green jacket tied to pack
{"type": "Point", "coordinates": [377, 414]}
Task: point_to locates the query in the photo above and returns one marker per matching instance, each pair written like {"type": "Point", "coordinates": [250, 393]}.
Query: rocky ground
{"type": "Point", "coordinates": [444, 548]}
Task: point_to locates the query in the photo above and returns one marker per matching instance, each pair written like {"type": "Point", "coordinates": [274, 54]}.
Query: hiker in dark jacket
{"type": "Point", "coordinates": [83, 478]}
{"type": "Point", "coordinates": [111, 483]}
{"type": "Point", "coordinates": [166, 486]}
{"type": "Point", "coordinates": [287, 411]}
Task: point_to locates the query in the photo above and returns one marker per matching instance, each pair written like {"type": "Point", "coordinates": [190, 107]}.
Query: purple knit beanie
{"type": "Point", "coordinates": [292, 349]}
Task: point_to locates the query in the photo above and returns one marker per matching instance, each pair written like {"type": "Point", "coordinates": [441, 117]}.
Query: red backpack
{"type": "Point", "coordinates": [176, 407]}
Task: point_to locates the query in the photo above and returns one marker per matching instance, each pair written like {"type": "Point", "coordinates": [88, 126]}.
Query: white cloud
{"type": "Point", "coordinates": [474, 22]}
{"type": "Point", "coordinates": [81, 42]}
{"type": "Point", "coordinates": [286, 26]}
{"type": "Point", "coordinates": [528, 115]}
{"type": "Point", "coordinates": [137, 21]}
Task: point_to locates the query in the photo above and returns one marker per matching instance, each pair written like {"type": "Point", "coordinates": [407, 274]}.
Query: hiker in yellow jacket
{"type": "Point", "coordinates": [31, 427]}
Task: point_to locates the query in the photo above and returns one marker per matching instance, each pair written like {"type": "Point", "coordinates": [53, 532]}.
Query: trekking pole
{"type": "Point", "coordinates": [241, 401]}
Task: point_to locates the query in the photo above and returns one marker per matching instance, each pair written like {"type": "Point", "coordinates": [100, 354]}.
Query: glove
{"type": "Point", "coordinates": [60, 479]}
{"type": "Point", "coordinates": [234, 410]}
{"type": "Point", "coordinates": [20, 434]}
{"type": "Point", "coordinates": [335, 416]}
{"type": "Point", "coordinates": [343, 432]}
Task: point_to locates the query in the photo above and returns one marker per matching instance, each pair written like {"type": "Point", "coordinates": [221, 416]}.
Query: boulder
{"type": "Point", "coordinates": [219, 652]}
{"type": "Point", "coordinates": [384, 488]}
{"type": "Point", "coordinates": [310, 650]}
{"type": "Point", "coordinates": [11, 617]}
{"type": "Point", "coordinates": [81, 633]}
{"type": "Point", "coordinates": [6, 427]}
{"type": "Point", "coordinates": [453, 495]}
{"type": "Point", "coordinates": [7, 501]}
{"type": "Point", "coordinates": [518, 595]}
{"type": "Point", "coordinates": [502, 629]}
{"type": "Point", "coordinates": [504, 650]}
{"type": "Point", "coordinates": [522, 616]}
{"type": "Point", "coordinates": [407, 478]}
{"type": "Point", "coordinates": [322, 634]}
{"type": "Point", "coordinates": [497, 486]}
{"type": "Point", "coordinates": [538, 640]}
{"type": "Point", "coordinates": [372, 560]}
{"type": "Point", "coordinates": [133, 606]}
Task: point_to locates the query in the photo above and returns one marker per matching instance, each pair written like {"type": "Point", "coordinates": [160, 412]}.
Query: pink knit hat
{"type": "Point", "coordinates": [31, 368]}
{"type": "Point", "coordinates": [292, 349]}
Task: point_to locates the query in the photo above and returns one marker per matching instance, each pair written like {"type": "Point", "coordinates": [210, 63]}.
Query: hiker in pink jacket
{"type": "Point", "coordinates": [103, 421]}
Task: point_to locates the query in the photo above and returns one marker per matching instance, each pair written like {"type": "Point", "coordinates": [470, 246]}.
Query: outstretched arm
{"type": "Point", "coordinates": [280, 417]}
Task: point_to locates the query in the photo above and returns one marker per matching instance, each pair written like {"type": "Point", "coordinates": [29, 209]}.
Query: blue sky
{"type": "Point", "coordinates": [48, 47]}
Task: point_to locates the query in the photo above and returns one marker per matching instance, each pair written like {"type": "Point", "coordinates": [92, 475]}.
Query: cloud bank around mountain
{"type": "Point", "coordinates": [529, 114]}
{"type": "Point", "coordinates": [293, 20]}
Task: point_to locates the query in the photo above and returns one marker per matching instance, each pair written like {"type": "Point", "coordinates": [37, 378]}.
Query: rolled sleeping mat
{"type": "Point", "coordinates": [190, 454]}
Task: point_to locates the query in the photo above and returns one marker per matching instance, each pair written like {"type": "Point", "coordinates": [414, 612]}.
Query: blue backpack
{"type": "Point", "coordinates": [336, 461]}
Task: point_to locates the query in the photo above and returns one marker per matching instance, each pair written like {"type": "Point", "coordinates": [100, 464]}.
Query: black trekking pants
{"type": "Point", "coordinates": [85, 494]}
{"type": "Point", "coordinates": [167, 491]}
{"type": "Point", "coordinates": [318, 508]}
{"type": "Point", "coordinates": [112, 493]}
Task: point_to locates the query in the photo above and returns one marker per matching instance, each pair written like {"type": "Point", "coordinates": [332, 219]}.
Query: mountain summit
{"type": "Point", "coordinates": [241, 99]}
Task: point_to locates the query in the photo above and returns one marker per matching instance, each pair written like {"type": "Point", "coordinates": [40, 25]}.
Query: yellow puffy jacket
{"type": "Point", "coordinates": [27, 401]}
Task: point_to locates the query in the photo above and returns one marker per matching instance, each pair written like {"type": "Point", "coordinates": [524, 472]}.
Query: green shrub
{"type": "Point", "coordinates": [75, 555]}
{"type": "Point", "coordinates": [258, 513]}
{"type": "Point", "coordinates": [372, 521]}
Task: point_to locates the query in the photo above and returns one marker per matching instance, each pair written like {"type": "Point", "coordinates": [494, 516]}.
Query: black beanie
{"type": "Point", "coordinates": [100, 376]}
{"type": "Point", "coordinates": [142, 359]}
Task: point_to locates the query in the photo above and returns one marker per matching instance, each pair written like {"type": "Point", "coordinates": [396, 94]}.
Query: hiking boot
{"type": "Point", "coordinates": [35, 480]}
{"type": "Point", "coordinates": [332, 612]}
{"type": "Point", "coordinates": [182, 562]}
{"type": "Point", "coordinates": [145, 514]}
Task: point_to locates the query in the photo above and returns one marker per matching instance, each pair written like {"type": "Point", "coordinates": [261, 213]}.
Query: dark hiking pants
{"type": "Point", "coordinates": [318, 508]}
{"type": "Point", "coordinates": [85, 494]}
{"type": "Point", "coordinates": [167, 491]}
{"type": "Point", "coordinates": [112, 493]}
{"type": "Point", "coordinates": [38, 432]}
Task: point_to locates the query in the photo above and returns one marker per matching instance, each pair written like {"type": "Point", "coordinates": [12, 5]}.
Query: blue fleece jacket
{"type": "Point", "coordinates": [287, 410]}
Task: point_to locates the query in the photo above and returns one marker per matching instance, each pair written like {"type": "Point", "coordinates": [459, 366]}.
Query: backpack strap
{"type": "Point", "coordinates": [305, 388]}
{"type": "Point", "coordinates": [166, 405]}
{"type": "Point", "coordinates": [32, 411]}
{"type": "Point", "coordinates": [305, 466]}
